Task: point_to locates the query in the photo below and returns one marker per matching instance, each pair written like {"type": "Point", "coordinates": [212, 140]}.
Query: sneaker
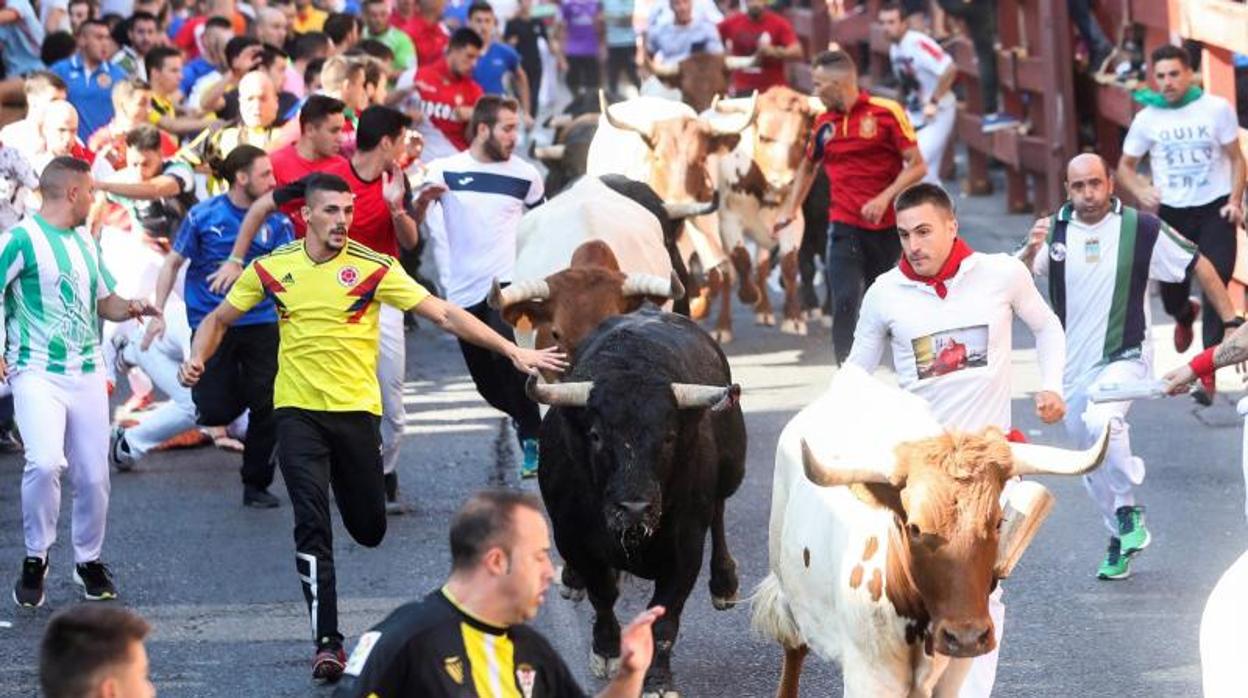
{"type": "Point", "coordinates": [1132, 531]}
{"type": "Point", "coordinates": [1115, 565]}
{"type": "Point", "coordinates": [1207, 389]}
{"type": "Point", "coordinates": [393, 506]}
{"type": "Point", "coordinates": [329, 663]}
{"type": "Point", "coordinates": [28, 592]}
{"type": "Point", "coordinates": [119, 451]}
{"type": "Point", "coordinates": [528, 469]}
{"type": "Point", "coordinates": [10, 439]}
{"type": "Point", "coordinates": [999, 121]}
{"type": "Point", "coordinates": [1183, 334]}
{"type": "Point", "coordinates": [259, 498]}
{"type": "Point", "coordinates": [96, 581]}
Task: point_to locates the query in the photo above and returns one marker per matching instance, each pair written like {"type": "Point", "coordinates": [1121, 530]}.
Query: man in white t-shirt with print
{"type": "Point", "coordinates": [1099, 257]}
{"type": "Point", "coordinates": [487, 190]}
{"type": "Point", "coordinates": [947, 312]}
{"type": "Point", "coordinates": [1192, 142]}
{"type": "Point", "coordinates": [926, 74]}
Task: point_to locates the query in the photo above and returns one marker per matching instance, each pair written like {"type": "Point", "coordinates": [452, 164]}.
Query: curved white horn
{"type": "Point", "coordinates": [621, 125]}
{"type": "Point", "coordinates": [1030, 459]}
{"type": "Point", "coordinates": [818, 473]}
{"type": "Point", "coordinates": [533, 289]}
{"type": "Point", "coordinates": [639, 284]}
{"type": "Point", "coordinates": [816, 105]}
{"type": "Point", "coordinates": [691, 208]}
{"type": "Point", "coordinates": [664, 70]}
{"type": "Point", "coordinates": [691, 396]}
{"type": "Point", "coordinates": [558, 394]}
{"type": "Point", "coordinates": [559, 121]}
{"type": "Point", "coordinates": [549, 152]}
{"type": "Point", "coordinates": [740, 62]}
{"type": "Point", "coordinates": [751, 114]}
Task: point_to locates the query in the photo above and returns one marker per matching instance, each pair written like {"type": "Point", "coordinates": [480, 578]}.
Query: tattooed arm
{"type": "Point", "coordinates": [1232, 350]}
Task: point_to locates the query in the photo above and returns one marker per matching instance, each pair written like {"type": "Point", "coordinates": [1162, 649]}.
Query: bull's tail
{"type": "Point", "coordinates": [771, 616]}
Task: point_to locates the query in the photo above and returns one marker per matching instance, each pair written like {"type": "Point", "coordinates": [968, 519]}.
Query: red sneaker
{"type": "Point", "coordinates": [1183, 330]}
{"type": "Point", "coordinates": [329, 664]}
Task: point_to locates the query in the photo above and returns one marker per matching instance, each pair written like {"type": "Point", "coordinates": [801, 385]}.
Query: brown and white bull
{"type": "Point", "coordinates": [696, 80]}
{"type": "Point", "coordinates": [884, 543]}
{"type": "Point", "coordinates": [599, 249]}
{"type": "Point", "coordinates": [666, 145]}
{"type": "Point", "coordinates": [754, 179]}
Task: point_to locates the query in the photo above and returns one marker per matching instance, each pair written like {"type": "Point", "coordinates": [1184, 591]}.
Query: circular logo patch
{"type": "Point", "coordinates": [347, 276]}
{"type": "Point", "coordinates": [1057, 252]}
{"type": "Point", "coordinates": [104, 80]}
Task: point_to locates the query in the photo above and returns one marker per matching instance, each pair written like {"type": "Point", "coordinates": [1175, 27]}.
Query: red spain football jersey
{"type": "Point", "coordinates": [371, 226]}
{"type": "Point", "coordinates": [861, 153]}
{"type": "Point", "coordinates": [441, 92]}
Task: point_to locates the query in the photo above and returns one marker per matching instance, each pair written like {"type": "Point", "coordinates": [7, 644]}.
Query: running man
{"type": "Point", "coordinates": [1101, 296]}
{"type": "Point", "coordinates": [926, 74]}
{"type": "Point", "coordinates": [55, 292]}
{"type": "Point", "coordinates": [328, 291]}
{"type": "Point", "coordinates": [947, 312]}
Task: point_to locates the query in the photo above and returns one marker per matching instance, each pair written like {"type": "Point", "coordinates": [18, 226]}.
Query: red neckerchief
{"type": "Point", "coordinates": [960, 251]}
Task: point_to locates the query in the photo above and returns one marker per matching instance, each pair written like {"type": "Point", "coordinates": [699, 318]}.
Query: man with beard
{"type": "Point", "coordinates": [329, 291]}
{"type": "Point", "coordinates": [485, 191]}
{"type": "Point", "coordinates": [500, 571]}
{"type": "Point", "coordinates": [143, 34]}
{"type": "Point", "coordinates": [759, 32]}
{"type": "Point", "coordinates": [1100, 294]}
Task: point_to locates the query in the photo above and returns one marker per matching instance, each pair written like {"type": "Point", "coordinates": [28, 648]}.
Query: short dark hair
{"type": "Point", "coordinates": [835, 59]}
{"type": "Point", "coordinates": [479, 6]}
{"type": "Point", "coordinates": [219, 23]}
{"type": "Point", "coordinates": [318, 108]}
{"type": "Point", "coordinates": [141, 16]}
{"type": "Point", "coordinates": [83, 640]}
{"type": "Point", "coordinates": [307, 45]}
{"type": "Point", "coordinates": [485, 111]}
{"type": "Point", "coordinates": [378, 122]}
{"type": "Point", "coordinates": [144, 137]}
{"type": "Point", "coordinates": [338, 26]}
{"type": "Point", "coordinates": [366, 3]}
{"type": "Point", "coordinates": [57, 46]}
{"type": "Point", "coordinates": [240, 159]}
{"type": "Point", "coordinates": [313, 70]}
{"type": "Point", "coordinates": [52, 179]}
{"type": "Point", "coordinates": [39, 82]}
{"type": "Point", "coordinates": [321, 181]}
{"type": "Point", "coordinates": [93, 22]}
{"type": "Point", "coordinates": [464, 37]}
{"type": "Point", "coordinates": [485, 521]}
{"type": "Point", "coordinates": [891, 6]}
{"type": "Point", "coordinates": [235, 47]}
{"type": "Point", "coordinates": [1171, 53]}
{"type": "Point", "coordinates": [270, 55]}
{"type": "Point", "coordinates": [155, 59]}
{"type": "Point", "coordinates": [374, 71]}
{"type": "Point", "coordinates": [924, 193]}
{"type": "Point", "coordinates": [374, 49]}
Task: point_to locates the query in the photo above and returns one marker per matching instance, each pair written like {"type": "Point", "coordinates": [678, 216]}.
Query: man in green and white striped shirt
{"type": "Point", "coordinates": [55, 292]}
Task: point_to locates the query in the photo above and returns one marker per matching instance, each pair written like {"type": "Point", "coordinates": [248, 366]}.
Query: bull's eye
{"type": "Point", "coordinates": [555, 335]}
{"type": "Point", "coordinates": [595, 439]}
{"type": "Point", "coordinates": [913, 530]}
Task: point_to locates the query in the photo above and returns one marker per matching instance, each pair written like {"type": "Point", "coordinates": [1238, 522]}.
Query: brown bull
{"type": "Point", "coordinates": [702, 76]}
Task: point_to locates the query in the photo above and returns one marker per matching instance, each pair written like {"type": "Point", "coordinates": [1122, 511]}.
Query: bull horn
{"type": "Point", "coordinates": [740, 62]}
{"type": "Point", "coordinates": [692, 396]}
{"type": "Point", "coordinates": [558, 394]}
{"type": "Point", "coordinates": [664, 70]}
{"type": "Point", "coordinates": [616, 123]}
{"type": "Point", "coordinates": [1030, 459]}
{"type": "Point", "coordinates": [549, 152]}
{"type": "Point", "coordinates": [816, 105]}
{"type": "Point", "coordinates": [825, 476]}
{"type": "Point", "coordinates": [639, 284]}
{"type": "Point", "coordinates": [559, 121]}
{"type": "Point", "coordinates": [751, 114]}
{"type": "Point", "coordinates": [501, 298]}
{"type": "Point", "coordinates": [691, 208]}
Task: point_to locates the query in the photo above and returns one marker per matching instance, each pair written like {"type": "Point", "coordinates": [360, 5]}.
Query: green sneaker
{"type": "Point", "coordinates": [528, 469]}
{"type": "Point", "coordinates": [1116, 565]}
{"type": "Point", "coordinates": [1132, 531]}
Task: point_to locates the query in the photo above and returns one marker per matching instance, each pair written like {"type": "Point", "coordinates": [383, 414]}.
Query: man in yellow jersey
{"type": "Point", "coordinates": [327, 403]}
{"type": "Point", "coordinates": [470, 637]}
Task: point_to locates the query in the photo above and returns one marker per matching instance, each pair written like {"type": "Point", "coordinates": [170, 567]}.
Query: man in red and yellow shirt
{"type": "Point", "coordinates": [448, 94]}
{"type": "Point", "coordinates": [868, 149]}
{"type": "Point", "coordinates": [759, 32]}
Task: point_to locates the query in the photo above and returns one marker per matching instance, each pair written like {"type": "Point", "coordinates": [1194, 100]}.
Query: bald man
{"type": "Point", "coordinates": [59, 129]}
{"type": "Point", "coordinates": [257, 106]}
{"type": "Point", "coordinates": [1101, 296]}
{"type": "Point", "coordinates": [271, 27]}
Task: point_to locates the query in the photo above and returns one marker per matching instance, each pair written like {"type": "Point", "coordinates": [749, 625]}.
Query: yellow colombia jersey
{"type": "Point", "coordinates": [327, 313]}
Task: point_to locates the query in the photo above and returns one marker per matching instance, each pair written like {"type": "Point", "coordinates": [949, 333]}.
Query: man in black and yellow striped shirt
{"type": "Point", "coordinates": [469, 637]}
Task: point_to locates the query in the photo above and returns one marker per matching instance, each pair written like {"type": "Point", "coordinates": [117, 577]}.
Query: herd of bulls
{"type": "Point", "coordinates": [884, 546]}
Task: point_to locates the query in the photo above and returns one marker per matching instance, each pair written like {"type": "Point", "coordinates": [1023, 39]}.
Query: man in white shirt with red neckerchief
{"type": "Point", "coordinates": [948, 312]}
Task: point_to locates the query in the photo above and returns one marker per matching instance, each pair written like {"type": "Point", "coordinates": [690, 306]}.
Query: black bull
{"type": "Point", "coordinates": [635, 477]}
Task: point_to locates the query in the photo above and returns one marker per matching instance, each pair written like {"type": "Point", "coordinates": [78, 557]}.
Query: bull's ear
{"type": "Point", "coordinates": [724, 142]}
{"type": "Point", "coordinates": [526, 315]}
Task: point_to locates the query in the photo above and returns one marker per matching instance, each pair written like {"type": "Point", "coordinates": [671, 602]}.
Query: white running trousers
{"type": "Point", "coordinates": [391, 373]}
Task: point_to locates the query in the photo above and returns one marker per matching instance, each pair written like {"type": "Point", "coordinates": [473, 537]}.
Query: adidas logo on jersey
{"type": "Point", "coordinates": [288, 279]}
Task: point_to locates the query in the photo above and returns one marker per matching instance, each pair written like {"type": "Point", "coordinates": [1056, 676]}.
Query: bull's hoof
{"type": "Point", "coordinates": [660, 694]}
{"type": "Point", "coordinates": [722, 603]}
{"type": "Point", "coordinates": [571, 586]}
{"type": "Point", "coordinates": [791, 326]}
{"type": "Point", "coordinates": [825, 320]}
{"type": "Point", "coordinates": [601, 667]}
{"type": "Point", "coordinates": [814, 314]}
{"type": "Point", "coordinates": [722, 336]}
{"type": "Point", "coordinates": [765, 319]}
{"type": "Point", "coordinates": [573, 595]}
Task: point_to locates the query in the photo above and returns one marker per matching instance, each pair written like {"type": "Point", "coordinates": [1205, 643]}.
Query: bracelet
{"type": "Point", "coordinates": [235, 259]}
{"type": "Point", "coordinates": [1202, 363]}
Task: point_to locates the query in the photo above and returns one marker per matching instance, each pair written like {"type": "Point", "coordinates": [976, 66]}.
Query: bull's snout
{"type": "Point", "coordinates": [633, 513]}
{"type": "Point", "coordinates": [964, 638]}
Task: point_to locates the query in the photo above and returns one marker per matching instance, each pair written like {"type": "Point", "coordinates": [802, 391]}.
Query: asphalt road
{"type": "Point", "coordinates": [218, 584]}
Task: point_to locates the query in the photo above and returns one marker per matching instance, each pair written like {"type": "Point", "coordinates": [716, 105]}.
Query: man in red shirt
{"type": "Point", "coordinates": [429, 37]}
{"type": "Point", "coordinates": [321, 123]}
{"type": "Point", "coordinates": [132, 106]}
{"type": "Point", "coordinates": [868, 150]}
{"type": "Point", "coordinates": [759, 31]}
{"type": "Point", "coordinates": [448, 94]}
